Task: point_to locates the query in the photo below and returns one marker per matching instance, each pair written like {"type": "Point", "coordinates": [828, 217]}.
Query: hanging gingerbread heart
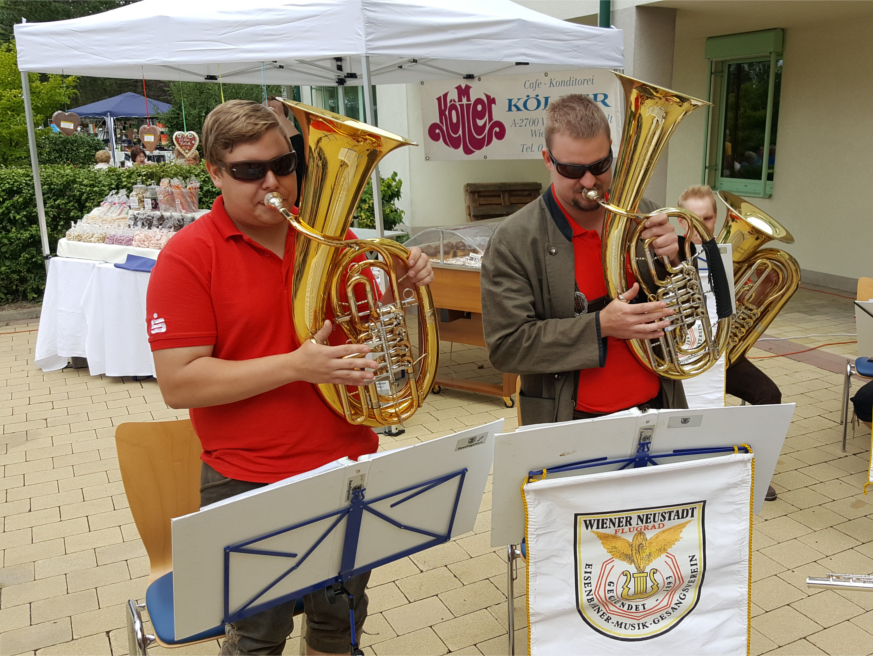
{"type": "Point", "coordinates": [66, 122]}
{"type": "Point", "coordinates": [186, 142]}
{"type": "Point", "coordinates": [150, 135]}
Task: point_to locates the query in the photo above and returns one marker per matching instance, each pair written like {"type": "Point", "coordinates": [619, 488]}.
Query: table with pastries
{"type": "Point", "coordinates": [95, 310]}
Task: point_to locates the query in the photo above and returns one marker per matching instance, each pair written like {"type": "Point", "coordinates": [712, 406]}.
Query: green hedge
{"type": "Point", "coordinates": [69, 192]}
{"type": "Point", "coordinates": [56, 148]}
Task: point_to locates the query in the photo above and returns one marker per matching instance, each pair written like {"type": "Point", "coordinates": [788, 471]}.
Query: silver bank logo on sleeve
{"type": "Point", "coordinates": [639, 572]}
{"type": "Point", "coordinates": [158, 325]}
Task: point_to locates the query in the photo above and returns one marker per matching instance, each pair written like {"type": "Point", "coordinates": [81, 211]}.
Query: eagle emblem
{"type": "Point", "coordinates": [641, 552]}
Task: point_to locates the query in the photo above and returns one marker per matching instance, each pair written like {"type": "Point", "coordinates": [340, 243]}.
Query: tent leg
{"type": "Point", "coordinates": [110, 128]}
{"type": "Point", "coordinates": [34, 163]}
{"type": "Point", "coordinates": [371, 119]}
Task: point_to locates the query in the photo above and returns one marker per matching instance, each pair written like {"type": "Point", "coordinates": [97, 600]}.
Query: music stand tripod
{"type": "Point", "coordinates": [353, 513]}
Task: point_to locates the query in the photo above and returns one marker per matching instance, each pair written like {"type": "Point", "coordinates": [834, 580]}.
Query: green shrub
{"type": "Point", "coordinates": [391, 214]}
{"type": "Point", "coordinates": [78, 149]}
{"type": "Point", "coordinates": [69, 193]}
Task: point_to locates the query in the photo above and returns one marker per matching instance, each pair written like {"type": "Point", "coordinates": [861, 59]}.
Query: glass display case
{"type": "Point", "coordinates": [456, 255]}
{"type": "Point", "coordinates": [462, 245]}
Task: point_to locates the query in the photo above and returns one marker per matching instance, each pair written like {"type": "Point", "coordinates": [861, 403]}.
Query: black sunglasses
{"type": "Point", "coordinates": [253, 170]}
{"type": "Point", "coordinates": [576, 171]}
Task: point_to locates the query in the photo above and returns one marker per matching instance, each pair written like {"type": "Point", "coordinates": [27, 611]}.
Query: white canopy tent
{"type": "Point", "coordinates": [309, 42]}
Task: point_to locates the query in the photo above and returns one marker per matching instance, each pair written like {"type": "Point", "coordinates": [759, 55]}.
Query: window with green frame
{"type": "Point", "coordinates": [347, 100]}
{"type": "Point", "coordinates": [745, 84]}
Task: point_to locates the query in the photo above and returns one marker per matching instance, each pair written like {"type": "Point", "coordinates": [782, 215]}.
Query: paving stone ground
{"type": "Point", "coordinates": [71, 555]}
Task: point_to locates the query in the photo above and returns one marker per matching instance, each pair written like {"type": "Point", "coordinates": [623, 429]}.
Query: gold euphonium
{"type": "Point", "coordinates": [341, 155]}
{"type": "Point", "coordinates": [651, 115]}
{"type": "Point", "coordinates": [764, 280]}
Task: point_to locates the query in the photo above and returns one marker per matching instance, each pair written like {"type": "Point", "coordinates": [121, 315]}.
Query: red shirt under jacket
{"type": "Point", "coordinates": [622, 382]}
{"type": "Point", "coordinates": [213, 286]}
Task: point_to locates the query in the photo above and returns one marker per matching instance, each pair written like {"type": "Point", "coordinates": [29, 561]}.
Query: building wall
{"type": "Point", "coordinates": [433, 192]}
{"type": "Point", "coordinates": [823, 163]}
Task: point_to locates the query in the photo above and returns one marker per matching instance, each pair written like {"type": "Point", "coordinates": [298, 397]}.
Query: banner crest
{"type": "Point", "coordinates": [639, 572]}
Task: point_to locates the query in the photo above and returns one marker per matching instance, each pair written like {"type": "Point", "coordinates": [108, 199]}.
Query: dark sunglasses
{"type": "Point", "coordinates": [253, 170]}
{"type": "Point", "coordinates": [576, 171]}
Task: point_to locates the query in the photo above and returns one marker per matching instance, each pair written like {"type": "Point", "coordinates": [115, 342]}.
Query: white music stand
{"type": "Point", "coordinates": [629, 438]}
{"type": "Point", "coordinates": [277, 543]}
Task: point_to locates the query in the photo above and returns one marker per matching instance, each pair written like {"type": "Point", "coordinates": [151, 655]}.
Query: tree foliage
{"type": "Point", "coordinates": [391, 214]}
{"type": "Point", "coordinates": [47, 94]}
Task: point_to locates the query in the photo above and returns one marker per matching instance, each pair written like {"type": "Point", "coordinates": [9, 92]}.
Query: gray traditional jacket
{"type": "Point", "coordinates": [528, 287]}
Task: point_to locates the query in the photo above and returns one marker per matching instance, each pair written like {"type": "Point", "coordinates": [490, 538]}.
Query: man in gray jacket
{"type": "Point", "coordinates": [544, 305]}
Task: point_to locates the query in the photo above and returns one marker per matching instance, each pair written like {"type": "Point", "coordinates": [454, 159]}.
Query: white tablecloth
{"type": "Point", "coordinates": [102, 252]}
{"type": "Point", "coordinates": [96, 311]}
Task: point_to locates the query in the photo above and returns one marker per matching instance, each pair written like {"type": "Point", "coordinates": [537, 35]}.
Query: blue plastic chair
{"type": "Point", "coordinates": [863, 368]}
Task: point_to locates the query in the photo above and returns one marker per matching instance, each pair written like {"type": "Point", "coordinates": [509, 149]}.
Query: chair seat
{"type": "Point", "coordinates": [159, 602]}
{"type": "Point", "coordinates": [864, 367]}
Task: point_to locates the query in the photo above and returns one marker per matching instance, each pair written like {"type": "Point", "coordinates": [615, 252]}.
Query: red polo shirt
{"type": "Point", "coordinates": [213, 286]}
{"type": "Point", "coordinates": [622, 382]}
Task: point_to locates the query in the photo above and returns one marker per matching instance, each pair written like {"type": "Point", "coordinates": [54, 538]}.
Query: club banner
{"type": "Point", "coordinates": [641, 561]}
{"type": "Point", "coordinates": [503, 116]}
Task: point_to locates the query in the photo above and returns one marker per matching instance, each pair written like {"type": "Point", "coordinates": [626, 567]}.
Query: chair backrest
{"type": "Point", "coordinates": [865, 289]}
{"type": "Point", "coordinates": [160, 468]}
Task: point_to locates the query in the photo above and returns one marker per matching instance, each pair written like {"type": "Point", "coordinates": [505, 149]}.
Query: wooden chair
{"type": "Point", "coordinates": [160, 469]}
{"type": "Point", "coordinates": [861, 367]}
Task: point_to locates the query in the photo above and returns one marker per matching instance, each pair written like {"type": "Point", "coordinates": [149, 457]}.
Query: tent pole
{"type": "Point", "coordinates": [110, 129]}
{"type": "Point", "coordinates": [34, 163]}
{"type": "Point", "coordinates": [371, 119]}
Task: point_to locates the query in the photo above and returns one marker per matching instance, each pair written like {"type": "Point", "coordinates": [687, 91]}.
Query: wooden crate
{"type": "Point", "coordinates": [490, 200]}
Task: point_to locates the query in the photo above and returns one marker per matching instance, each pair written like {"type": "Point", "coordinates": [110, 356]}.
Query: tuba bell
{"type": "Point", "coordinates": [651, 116]}
{"type": "Point", "coordinates": [764, 279]}
{"type": "Point", "coordinates": [341, 155]}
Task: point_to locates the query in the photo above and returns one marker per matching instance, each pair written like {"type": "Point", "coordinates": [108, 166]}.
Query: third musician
{"type": "Point", "coordinates": [742, 379]}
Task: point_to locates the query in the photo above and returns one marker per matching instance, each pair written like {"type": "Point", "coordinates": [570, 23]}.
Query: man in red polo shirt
{"type": "Point", "coordinates": [544, 306]}
{"type": "Point", "coordinates": [224, 347]}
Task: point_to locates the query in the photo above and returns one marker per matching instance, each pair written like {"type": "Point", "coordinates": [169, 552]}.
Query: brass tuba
{"type": "Point", "coordinates": [651, 115]}
{"type": "Point", "coordinates": [764, 279]}
{"type": "Point", "coordinates": [341, 155]}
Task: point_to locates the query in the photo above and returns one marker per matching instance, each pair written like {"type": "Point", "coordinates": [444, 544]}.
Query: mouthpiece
{"type": "Point", "coordinates": [590, 194]}
{"type": "Point", "coordinates": [274, 200]}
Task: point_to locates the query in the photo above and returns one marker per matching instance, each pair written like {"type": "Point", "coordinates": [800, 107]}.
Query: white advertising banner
{"type": "Point", "coordinates": [503, 116]}
{"type": "Point", "coordinates": [641, 561]}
